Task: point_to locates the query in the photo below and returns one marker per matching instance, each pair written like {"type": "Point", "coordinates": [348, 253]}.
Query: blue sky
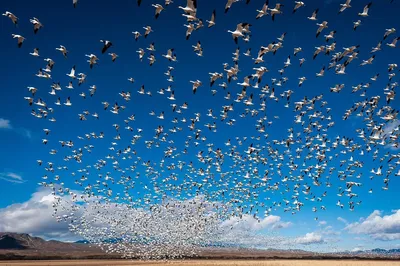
{"type": "Point", "coordinates": [81, 29]}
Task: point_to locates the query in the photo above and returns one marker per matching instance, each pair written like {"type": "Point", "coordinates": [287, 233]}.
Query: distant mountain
{"type": "Point", "coordinates": [384, 251]}
{"type": "Point", "coordinates": [14, 241]}
{"type": "Point", "coordinates": [15, 246]}
{"type": "Point", "coordinates": [19, 241]}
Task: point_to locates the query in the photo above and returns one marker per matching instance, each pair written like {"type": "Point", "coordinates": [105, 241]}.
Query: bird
{"type": "Point", "coordinates": [92, 60]}
{"type": "Point", "coordinates": [20, 39]}
{"type": "Point", "coordinates": [211, 22]}
{"type": "Point", "coordinates": [113, 56]}
{"type": "Point", "coordinates": [345, 6]}
{"type": "Point", "coordinates": [72, 73]}
{"type": "Point", "coordinates": [68, 102]}
{"type": "Point", "coordinates": [238, 32]}
{"type": "Point", "coordinates": [158, 10]}
{"type": "Point", "coordinates": [275, 10]}
{"type": "Point", "coordinates": [137, 34]}
{"type": "Point", "coordinates": [263, 11]}
{"type": "Point", "coordinates": [298, 4]}
{"type": "Point", "coordinates": [229, 4]}
{"type": "Point", "coordinates": [74, 3]}
{"type": "Point", "coordinates": [35, 52]}
{"type": "Point", "coordinates": [106, 45]}
{"type": "Point", "coordinates": [321, 27]}
{"type": "Point", "coordinates": [169, 54]}
{"type": "Point", "coordinates": [356, 24]}
{"type": "Point", "coordinates": [388, 32]}
{"type": "Point", "coordinates": [190, 29]}
{"type": "Point", "coordinates": [63, 50]}
{"type": "Point", "coordinates": [148, 31]}
{"type": "Point", "coordinates": [36, 24]}
{"type": "Point", "coordinates": [393, 43]}
{"type": "Point", "coordinates": [314, 15]}
{"type": "Point", "coordinates": [365, 10]}
{"type": "Point", "coordinates": [11, 16]}
{"type": "Point", "coordinates": [190, 8]}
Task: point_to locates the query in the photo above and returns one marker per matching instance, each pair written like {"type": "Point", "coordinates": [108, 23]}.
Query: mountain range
{"type": "Point", "coordinates": [14, 246]}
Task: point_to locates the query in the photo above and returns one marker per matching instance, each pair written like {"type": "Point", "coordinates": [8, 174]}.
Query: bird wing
{"type": "Point", "coordinates": [213, 16]}
{"type": "Point", "coordinates": [367, 7]}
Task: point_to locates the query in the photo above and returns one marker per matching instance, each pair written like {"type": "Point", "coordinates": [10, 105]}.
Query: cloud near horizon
{"type": "Point", "coordinates": [35, 217]}
{"type": "Point", "coordinates": [377, 226]}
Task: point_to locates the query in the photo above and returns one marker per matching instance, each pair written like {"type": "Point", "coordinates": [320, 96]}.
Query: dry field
{"type": "Point", "coordinates": [202, 263]}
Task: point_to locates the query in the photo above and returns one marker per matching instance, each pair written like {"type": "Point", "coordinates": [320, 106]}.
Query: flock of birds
{"type": "Point", "coordinates": [171, 204]}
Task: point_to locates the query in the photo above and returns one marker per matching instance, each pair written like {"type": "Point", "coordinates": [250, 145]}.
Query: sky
{"type": "Point", "coordinates": [374, 223]}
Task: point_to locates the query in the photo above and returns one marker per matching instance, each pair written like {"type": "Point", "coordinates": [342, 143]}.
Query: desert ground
{"type": "Point", "coordinates": [202, 263]}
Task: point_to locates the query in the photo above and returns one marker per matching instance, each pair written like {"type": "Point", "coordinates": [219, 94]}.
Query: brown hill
{"type": "Point", "coordinates": [24, 246]}
{"type": "Point", "coordinates": [15, 246]}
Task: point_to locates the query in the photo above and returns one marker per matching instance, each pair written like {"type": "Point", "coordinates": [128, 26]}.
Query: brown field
{"type": "Point", "coordinates": [201, 263]}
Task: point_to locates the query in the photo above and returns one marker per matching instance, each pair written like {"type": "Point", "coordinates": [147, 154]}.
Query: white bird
{"type": "Point", "coordinates": [148, 31]}
{"type": "Point", "coordinates": [190, 8]}
{"type": "Point", "coordinates": [190, 29]}
{"type": "Point", "coordinates": [356, 24]}
{"type": "Point", "coordinates": [388, 32]}
{"type": "Point", "coordinates": [70, 86]}
{"type": "Point", "coordinates": [92, 59]}
{"type": "Point", "coordinates": [63, 50]}
{"type": "Point", "coordinates": [158, 8]}
{"type": "Point", "coordinates": [342, 70]}
{"type": "Point", "coordinates": [287, 63]}
{"type": "Point", "coordinates": [211, 22]}
{"type": "Point", "coordinates": [263, 11]}
{"type": "Point", "coordinates": [113, 56]}
{"type": "Point", "coordinates": [321, 73]}
{"type": "Point", "coordinates": [229, 4]}
{"type": "Point", "coordinates": [238, 32]}
{"type": "Point", "coordinates": [275, 10]}
{"type": "Point", "coordinates": [137, 35]}
{"type": "Point", "coordinates": [36, 24]}
{"type": "Point", "coordinates": [314, 15]}
{"type": "Point", "coordinates": [106, 44]}
{"type": "Point", "coordinates": [297, 50]}
{"type": "Point", "coordinates": [68, 102]}
{"type": "Point", "coordinates": [345, 6]}
{"type": "Point", "coordinates": [169, 54]}
{"type": "Point", "coordinates": [298, 4]}
{"type": "Point", "coordinates": [152, 59]}
{"type": "Point", "coordinates": [20, 39]}
{"type": "Point", "coordinates": [72, 73]}
{"type": "Point", "coordinates": [141, 53]}
{"type": "Point", "coordinates": [322, 26]}
{"type": "Point", "coordinates": [393, 43]}
{"type": "Point", "coordinates": [74, 3]}
{"type": "Point", "coordinates": [35, 52]}
{"type": "Point", "coordinates": [365, 10]}
{"type": "Point", "coordinates": [377, 48]}
{"type": "Point", "coordinates": [11, 16]}
{"type": "Point", "coordinates": [368, 62]}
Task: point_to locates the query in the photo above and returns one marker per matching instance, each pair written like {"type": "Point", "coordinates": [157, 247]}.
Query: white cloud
{"type": "Point", "coordinates": [5, 124]}
{"type": "Point", "coordinates": [248, 222]}
{"type": "Point", "coordinates": [377, 226]}
{"type": "Point", "coordinates": [321, 223]}
{"type": "Point", "coordinates": [340, 219]}
{"type": "Point", "coordinates": [12, 177]}
{"type": "Point", "coordinates": [309, 239]}
{"type": "Point", "coordinates": [390, 130]}
{"type": "Point", "coordinates": [34, 217]}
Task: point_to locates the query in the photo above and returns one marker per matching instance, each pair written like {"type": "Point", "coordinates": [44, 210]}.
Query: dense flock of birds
{"type": "Point", "coordinates": [173, 203]}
